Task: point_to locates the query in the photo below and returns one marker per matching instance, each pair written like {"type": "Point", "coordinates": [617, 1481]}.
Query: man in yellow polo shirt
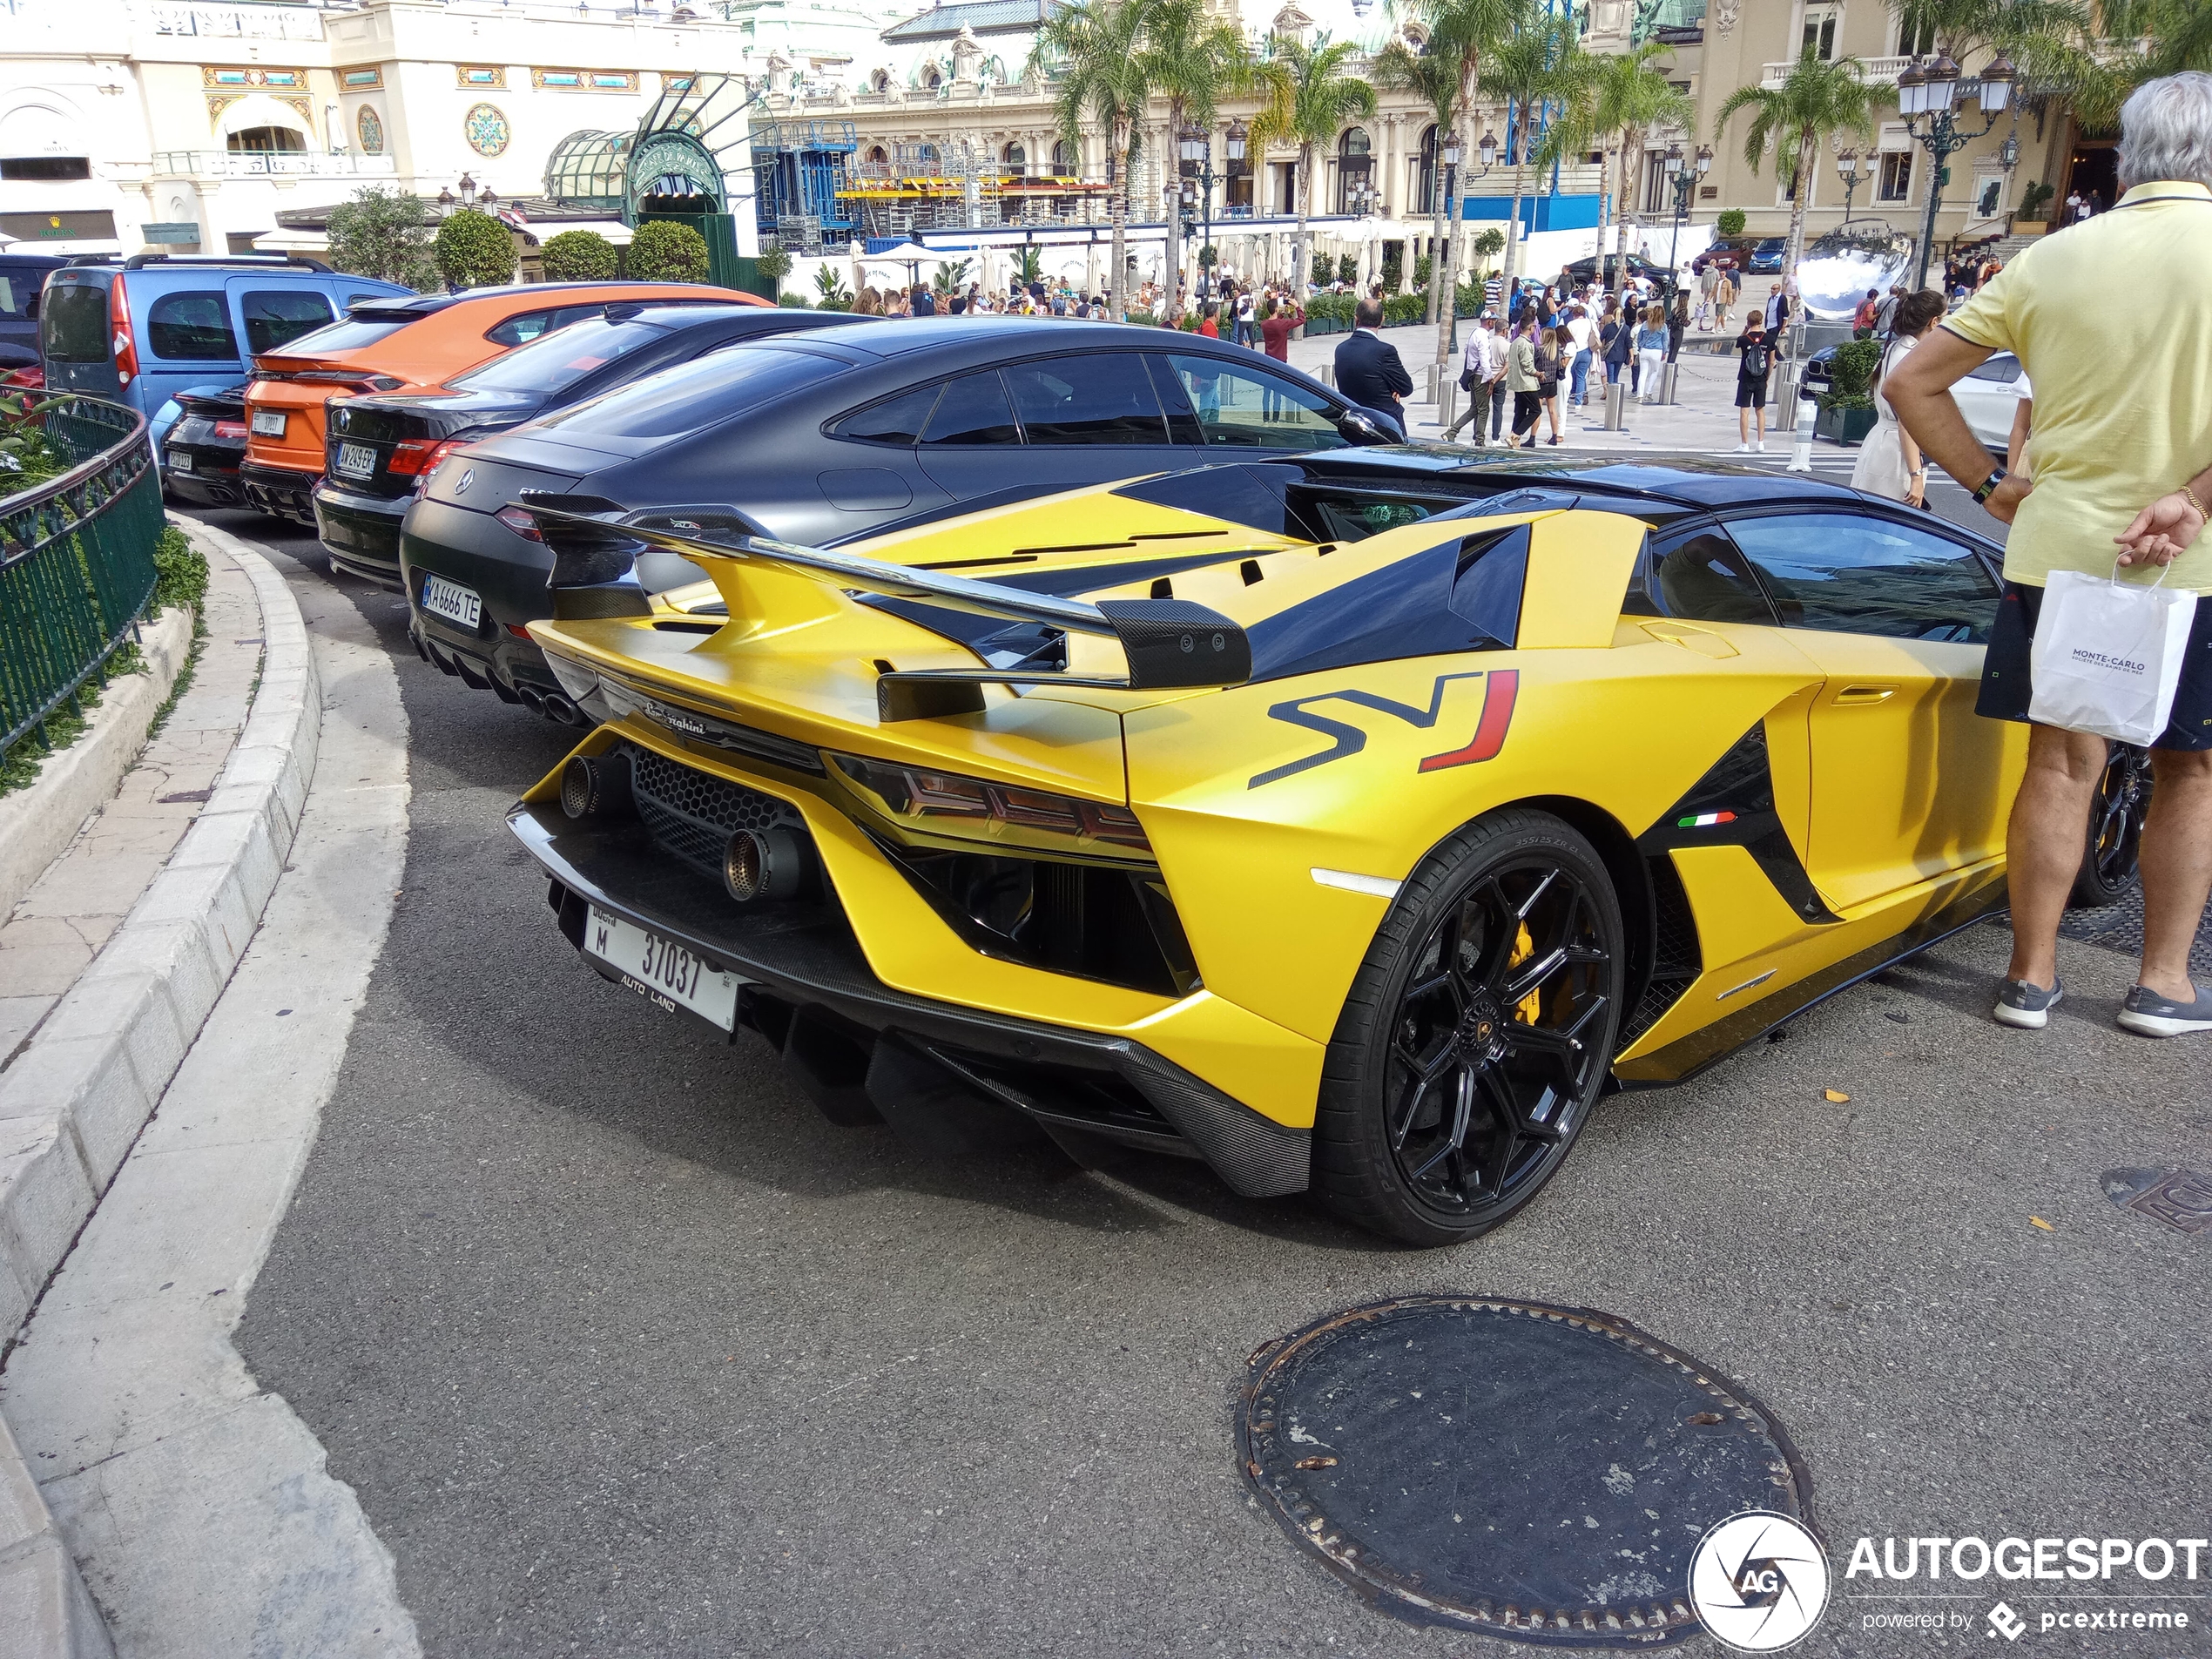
{"type": "Point", "coordinates": [2111, 321]}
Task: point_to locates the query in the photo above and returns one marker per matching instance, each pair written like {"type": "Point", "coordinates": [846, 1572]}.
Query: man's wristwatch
{"type": "Point", "coordinates": [1988, 486]}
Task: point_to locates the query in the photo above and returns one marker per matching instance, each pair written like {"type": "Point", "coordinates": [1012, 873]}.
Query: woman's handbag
{"type": "Point", "coordinates": [2107, 655]}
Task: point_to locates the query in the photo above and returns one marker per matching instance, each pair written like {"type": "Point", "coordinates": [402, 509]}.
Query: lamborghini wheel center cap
{"type": "Point", "coordinates": [1481, 1033]}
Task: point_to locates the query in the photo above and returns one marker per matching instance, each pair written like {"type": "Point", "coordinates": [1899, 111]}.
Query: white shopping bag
{"type": "Point", "coordinates": [2109, 655]}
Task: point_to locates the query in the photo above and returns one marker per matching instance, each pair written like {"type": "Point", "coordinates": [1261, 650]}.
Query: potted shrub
{"type": "Point", "coordinates": [2032, 217]}
{"type": "Point", "coordinates": [1846, 409]}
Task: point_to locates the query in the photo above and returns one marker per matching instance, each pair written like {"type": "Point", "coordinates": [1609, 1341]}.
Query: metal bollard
{"type": "Point", "coordinates": [1616, 405]}
{"type": "Point", "coordinates": [1808, 417]}
{"type": "Point", "coordinates": [1447, 405]}
{"type": "Point", "coordinates": [1667, 377]}
{"type": "Point", "coordinates": [1327, 373]}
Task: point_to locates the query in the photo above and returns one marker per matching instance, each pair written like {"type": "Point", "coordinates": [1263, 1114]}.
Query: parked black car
{"type": "Point", "coordinates": [823, 437]}
{"type": "Point", "coordinates": [382, 446]}
{"type": "Point", "coordinates": [200, 456]}
{"type": "Point", "coordinates": [1585, 270]}
{"type": "Point", "coordinates": [22, 277]}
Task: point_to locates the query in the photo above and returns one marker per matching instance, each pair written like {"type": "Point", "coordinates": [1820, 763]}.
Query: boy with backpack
{"type": "Point", "coordinates": [1754, 358]}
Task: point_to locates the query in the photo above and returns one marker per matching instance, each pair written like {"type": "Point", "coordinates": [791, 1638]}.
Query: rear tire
{"type": "Point", "coordinates": [1477, 1035]}
{"type": "Point", "coordinates": [2112, 855]}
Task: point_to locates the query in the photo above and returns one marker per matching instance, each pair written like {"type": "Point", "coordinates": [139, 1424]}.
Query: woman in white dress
{"type": "Point", "coordinates": [1890, 463]}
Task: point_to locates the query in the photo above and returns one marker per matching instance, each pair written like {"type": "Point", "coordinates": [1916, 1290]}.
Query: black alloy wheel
{"type": "Point", "coordinates": [2113, 852]}
{"type": "Point", "coordinates": [1477, 1036]}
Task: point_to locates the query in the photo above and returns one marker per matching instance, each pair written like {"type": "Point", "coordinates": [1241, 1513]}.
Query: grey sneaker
{"type": "Point", "coordinates": [2148, 1014]}
{"type": "Point", "coordinates": [2027, 1006]}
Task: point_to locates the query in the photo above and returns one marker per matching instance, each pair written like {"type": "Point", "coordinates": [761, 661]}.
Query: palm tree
{"type": "Point", "coordinates": [1458, 34]}
{"type": "Point", "coordinates": [2142, 40]}
{"type": "Point", "coordinates": [1633, 98]}
{"type": "Point", "coordinates": [1540, 64]}
{"type": "Point", "coordinates": [1310, 98]}
{"type": "Point", "coordinates": [1190, 60]}
{"type": "Point", "coordinates": [1092, 52]}
{"type": "Point", "coordinates": [1814, 100]}
{"type": "Point", "coordinates": [1435, 75]}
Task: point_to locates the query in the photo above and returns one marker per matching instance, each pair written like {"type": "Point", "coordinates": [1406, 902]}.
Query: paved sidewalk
{"type": "Point", "coordinates": [52, 935]}
{"type": "Point", "coordinates": [1701, 421]}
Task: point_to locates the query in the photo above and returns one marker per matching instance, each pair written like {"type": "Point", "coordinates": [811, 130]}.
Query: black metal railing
{"type": "Point", "coordinates": [77, 561]}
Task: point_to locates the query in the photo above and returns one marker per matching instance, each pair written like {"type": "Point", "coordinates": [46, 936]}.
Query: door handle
{"type": "Point", "coordinates": [1864, 696]}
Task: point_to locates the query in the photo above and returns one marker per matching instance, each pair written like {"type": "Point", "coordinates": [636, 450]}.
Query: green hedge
{"type": "Point", "coordinates": [473, 250]}
{"type": "Point", "coordinates": [581, 256]}
{"type": "Point", "coordinates": [663, 250]}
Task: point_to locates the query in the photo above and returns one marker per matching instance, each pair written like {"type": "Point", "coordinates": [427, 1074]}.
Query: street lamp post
{"type": "Point", "coordinates": [1196, 147]}
{"type": "Point", "coordinates": [1926, 97]}
{"type": "Point", "coordinates": [1847, 169]}
{"type": "Point", "coordinates": [1683, 172]}
{"type": "Point", "coordinates": [1447, 280]}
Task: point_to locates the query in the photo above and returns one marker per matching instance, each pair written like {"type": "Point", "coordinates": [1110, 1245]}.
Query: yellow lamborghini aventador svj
{"type": "Point", "coordinates": [1348, 820]}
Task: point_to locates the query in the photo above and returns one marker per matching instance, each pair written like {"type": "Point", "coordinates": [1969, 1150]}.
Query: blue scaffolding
{"type": "Point", "coordinates": [802, 166]}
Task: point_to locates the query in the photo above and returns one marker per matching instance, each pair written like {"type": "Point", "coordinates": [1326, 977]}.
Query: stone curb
{"type": "Point", "coordinates": [72, 1104]}
{"type": "Point", "coordinates": [37, 823]}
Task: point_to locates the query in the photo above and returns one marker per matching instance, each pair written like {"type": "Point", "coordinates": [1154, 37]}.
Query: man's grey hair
{"type": "Point", "coordinates": [2165, 131]}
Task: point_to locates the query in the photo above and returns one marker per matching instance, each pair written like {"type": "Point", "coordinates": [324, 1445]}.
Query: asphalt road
{"type": "Point", "coordinates": [627, 1350]}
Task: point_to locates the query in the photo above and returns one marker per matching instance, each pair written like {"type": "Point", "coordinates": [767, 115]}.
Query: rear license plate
{"type": "Point", "coordinates": [663, 971]}
{"type": "Point", "coordinates": [356, 460]}
{"type": "Point", "coordinates": [268, 424]}
{"type": "Point", "coordinates": [179, 461]}
{"type": "Point", "coordinates": [451, 601]}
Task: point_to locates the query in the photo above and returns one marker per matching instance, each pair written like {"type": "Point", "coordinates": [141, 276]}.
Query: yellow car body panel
{"type": "Point", "coordinates": [1282, 814]}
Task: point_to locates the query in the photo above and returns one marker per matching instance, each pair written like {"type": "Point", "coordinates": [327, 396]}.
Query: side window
{"type": "Point", "coordinates": [2004, 368]}
{"type": "Point", "coordinates": [1087, 397]}
{"type": "Point", "coordinates": [973, 410]}
{"type": "Point", "coordinates": [1243, 409]}
{"type": "Point", "coordinates": [521, 329]}
{"type": "Point", "coordinates": [195, 325]}
{"type": "Point", "coordinates": [1852, 575]}
{"type": "Point", "coordinates": [1701, 576]}
{"type": "Point", "coordinates": [896, 421]}
{"type": "Point", "coordinates": [275, 317]}
{"type": "Point", "coordinates": [352, 299]}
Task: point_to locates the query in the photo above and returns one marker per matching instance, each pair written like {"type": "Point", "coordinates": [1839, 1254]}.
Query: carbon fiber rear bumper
{"type": "Point", "coordinates": [855, 1040]}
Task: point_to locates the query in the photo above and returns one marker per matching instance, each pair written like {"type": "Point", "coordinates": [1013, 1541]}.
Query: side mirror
{"type": "Point", "coordinates": [1359, 427]}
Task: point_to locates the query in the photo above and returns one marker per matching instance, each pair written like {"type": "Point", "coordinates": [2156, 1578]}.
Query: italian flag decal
{"type": "Point", "coordinates": [1705, 821]}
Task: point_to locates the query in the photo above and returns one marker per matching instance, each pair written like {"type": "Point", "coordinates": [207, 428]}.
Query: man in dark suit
{"type": "Point", "coordinates": [1368, 368]}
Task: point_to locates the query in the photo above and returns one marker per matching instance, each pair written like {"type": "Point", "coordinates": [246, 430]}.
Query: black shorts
{"type": "Point", "coordinates": [1751, 391]}
{"type": "Point", "coordinates": [2006, 692]}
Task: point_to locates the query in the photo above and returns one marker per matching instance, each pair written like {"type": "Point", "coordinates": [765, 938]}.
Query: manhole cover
{"type": "Point", "coordinates": [1535, 1471]}
{"type": "Point", "coordinates": [2181, 1199]}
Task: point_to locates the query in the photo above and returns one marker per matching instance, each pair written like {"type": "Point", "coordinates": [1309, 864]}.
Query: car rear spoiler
{"type": "Point", "coordinates": [1171, 643]}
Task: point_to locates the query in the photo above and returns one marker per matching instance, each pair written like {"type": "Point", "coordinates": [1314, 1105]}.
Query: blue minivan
{"type": "Point", "coordinates": [144, 329]}
{"type": "Point", "coordinates": [21, 276]}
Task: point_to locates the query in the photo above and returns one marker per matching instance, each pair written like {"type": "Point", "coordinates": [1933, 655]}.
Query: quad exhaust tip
{"type": "Point", "coordinates": [762, 863]}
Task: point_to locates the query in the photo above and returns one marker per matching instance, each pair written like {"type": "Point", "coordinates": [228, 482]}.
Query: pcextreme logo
{"type": "Point", "coordinates": [1759, 1582]}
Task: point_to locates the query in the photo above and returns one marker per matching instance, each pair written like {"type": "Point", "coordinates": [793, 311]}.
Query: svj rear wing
{"type": "Point", "coordinates": [1170, 643]}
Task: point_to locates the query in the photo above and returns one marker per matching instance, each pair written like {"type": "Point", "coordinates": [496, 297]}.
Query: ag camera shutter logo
{"type": "Point", "coordinates": [1759, 1582]}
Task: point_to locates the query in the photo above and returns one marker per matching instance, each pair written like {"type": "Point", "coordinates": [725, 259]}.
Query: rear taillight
{"type": "Point", "coordinates": [125, 348]}
{"type": "Point", "coordinates": [230, 429]}
{"type": "Point", "coordinates": [417, 458]}
{"type": "Point", "coordinates": [518, 520]}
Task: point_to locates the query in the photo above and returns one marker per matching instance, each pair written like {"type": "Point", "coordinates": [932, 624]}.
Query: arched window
{"type": "Point", "coordinates": [1065, 164]}
{"type": "Point", "coordinates": [1425, 187]}
{"type": "Point", "coordinates": [266, 138]}
{"type": "Point", "coordinates": [1017, 161]}
{"type": "Point", "coordinates": [1355, 168]}
{"type": "Point", "coordinates": [877, 156]}
{"type": "Point", "coordinates": [880, 81]}
{"type": "Point", "coordinates": [932, 77]}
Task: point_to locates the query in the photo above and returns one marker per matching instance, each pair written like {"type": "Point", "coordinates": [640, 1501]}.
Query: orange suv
{"type": "Point", "coordinates": [410, 345]}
